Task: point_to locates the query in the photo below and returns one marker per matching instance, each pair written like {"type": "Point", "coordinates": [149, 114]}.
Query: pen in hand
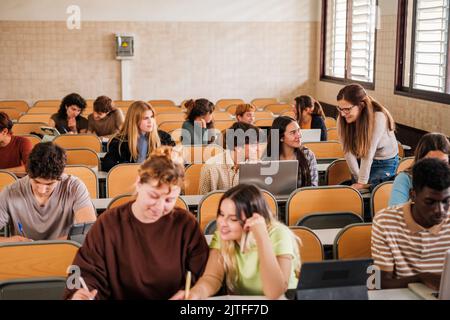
{"type": "Point", "coordinates": [22, 233]}
{"type": "Point", "coordinates": [21, 229]}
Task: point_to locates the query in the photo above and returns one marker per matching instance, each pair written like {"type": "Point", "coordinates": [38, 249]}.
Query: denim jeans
{"type": "Point", "coordinates": [382, 170]}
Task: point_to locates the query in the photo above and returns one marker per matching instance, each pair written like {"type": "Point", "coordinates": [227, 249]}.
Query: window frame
{"type": "Point", "coordinates": [399, 88]}
{"type": "Point", "coordinates": [345, 80]}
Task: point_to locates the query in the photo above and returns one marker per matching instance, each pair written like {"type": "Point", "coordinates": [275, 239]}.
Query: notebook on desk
{"type": "Point", "coordinates": [50, 131]}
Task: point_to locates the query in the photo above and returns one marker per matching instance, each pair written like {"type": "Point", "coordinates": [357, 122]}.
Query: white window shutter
{"type": "Point", "coordinates": [364, 20]}
{"type": "Point", "coordinates": [336, 38]}
{"type": "Point", "coordinates": [431, 43]}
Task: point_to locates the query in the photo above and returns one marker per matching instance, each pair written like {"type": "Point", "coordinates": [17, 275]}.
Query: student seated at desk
{"type": "Point", "coordinates": [106, 120]}
{"type": "Point", "coordinates": [288, 146]}
{"type": "Point", "coordinates": [46, 203]}
{"type": "Point", "coordinates": [197, 129]}
{"type": "Point", "coordinates": [138, 137]}
{"type": "Point", "coordinates": [221, 172]}
{"type": "Point", "coordinates": [409, 241]}
{"type": "Point", "coordinates": [245, 113]}
{"type": "Point", "coordinates": [251, 251]}
{"type": "Point", "coordinates": [68, 119]}
{"type": "Point", "coordinates": [431, 145]}
{"type": "Point", "coordinates": [144, 248]}
{"type": "Point", "coordinates": [14, 150]}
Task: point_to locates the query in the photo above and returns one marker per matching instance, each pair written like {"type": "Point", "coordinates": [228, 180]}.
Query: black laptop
{"type": "Point", "coordinates": [334, 280]}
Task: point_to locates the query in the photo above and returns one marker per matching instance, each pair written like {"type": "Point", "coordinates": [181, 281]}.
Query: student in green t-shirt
{"type": "Point", "coordinates": [251, 250]}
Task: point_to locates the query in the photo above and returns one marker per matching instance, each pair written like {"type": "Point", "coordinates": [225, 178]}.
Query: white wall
{"type": "Point", "coordinates": [163, 10]}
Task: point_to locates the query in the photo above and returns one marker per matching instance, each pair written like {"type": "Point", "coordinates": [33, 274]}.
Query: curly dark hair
{"type": "Point", "coordinates": [5, 122]}
{"type": "Point", "coordinates": [46, 161]}
{"type": "Point", "coordinates": [70, 100]}
{"type": "Point", "coordinates": [103, 104]}
{"type": "Point", "coordinates": [431, 173]}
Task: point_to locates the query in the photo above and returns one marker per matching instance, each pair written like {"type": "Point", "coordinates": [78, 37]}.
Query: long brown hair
{"type": "Point", "coordinates": [356, 137]}
{"type": "Point", "coordinates": [304, 102]}
{"type": "Point", "coordinates": [280, 124]}
{"type": "Point", "coordinates": [199, 108]}
{"type": "Point", "coordinates": [430, 142]}
{"type": "Point", "coordinates": [130, 129]}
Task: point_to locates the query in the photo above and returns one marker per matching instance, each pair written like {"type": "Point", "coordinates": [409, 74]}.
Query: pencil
{"type": "Point", "coordinates": [188, 285]}
{"type": "Point", "coordinates": [83, 284]}
{"type": "Point", "coordinates": [244, 243]}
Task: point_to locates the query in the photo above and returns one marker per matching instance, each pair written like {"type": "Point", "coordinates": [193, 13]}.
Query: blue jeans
{"type": "Point", "coordinates": [382, 170]}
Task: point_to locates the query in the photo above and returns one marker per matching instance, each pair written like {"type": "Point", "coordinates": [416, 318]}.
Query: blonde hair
{"type": "Point", "coordinates": [248, 199]}
{"type": "Point", "coordinates": [163, 166]}
{"type": "Point", "coordinates": [243, 108]}
{"type": "Point", "coordinates": [130, 129]}
{"type": "Point", "coordinates": [356, 137]}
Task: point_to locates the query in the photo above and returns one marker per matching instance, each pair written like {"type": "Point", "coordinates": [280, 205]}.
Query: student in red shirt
{"type": "Point", "coordinates": [14, 150]}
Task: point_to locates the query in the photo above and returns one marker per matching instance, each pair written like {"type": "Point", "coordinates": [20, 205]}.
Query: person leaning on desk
{"type": "Point", "coordinates": [409, 241]}
{"type": "Point", "coordinates": [144, 248]}
{"type": "Point", "coordinates": [46, 203]}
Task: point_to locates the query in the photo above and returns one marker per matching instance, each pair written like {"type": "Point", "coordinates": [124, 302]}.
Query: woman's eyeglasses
{"type": "Point", "coordinates": [346, 110]}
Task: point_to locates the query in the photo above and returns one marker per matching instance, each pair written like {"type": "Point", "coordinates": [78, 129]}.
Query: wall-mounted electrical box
{"type": "Point", "coordinates": [124, 46]}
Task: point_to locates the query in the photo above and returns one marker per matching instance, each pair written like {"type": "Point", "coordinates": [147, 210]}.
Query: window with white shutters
{"type": "Point", "coordinates": [423, 44]}
{"type": "Point", "coordinates": [349, 40]}
{"type": "Point", "coordinates": [431, 45]}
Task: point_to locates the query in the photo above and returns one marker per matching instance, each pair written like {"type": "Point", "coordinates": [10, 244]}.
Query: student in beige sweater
{"type": "Point", "coordinates": [366, 131]}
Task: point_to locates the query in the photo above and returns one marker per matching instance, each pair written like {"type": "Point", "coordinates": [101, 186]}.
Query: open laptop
{"type": "Point", "coordinates": [277, 177]}
{"type": "Point", "coordinates": [310, 135]}
{"type": "Point", "coordinates": [334, 280]}
{"type": "Point", "coordinates": [444, 289]}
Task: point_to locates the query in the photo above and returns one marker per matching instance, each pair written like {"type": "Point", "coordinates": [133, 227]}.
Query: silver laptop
{"type": "Point", "coordinates": [310, 135]}
{"type": "Point", "coordinates": [277, 177]}
{"type": "Point", "coordinates": [444, 291]}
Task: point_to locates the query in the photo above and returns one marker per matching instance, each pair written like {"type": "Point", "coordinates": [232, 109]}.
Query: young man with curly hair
{"type": "Point", "coordinates": [46, 203]}
{"type": "Point", "coordinates": [409, 241]}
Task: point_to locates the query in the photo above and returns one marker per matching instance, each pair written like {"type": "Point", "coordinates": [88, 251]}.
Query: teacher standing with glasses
{"type": "Point", "coordinates": [366, 131]}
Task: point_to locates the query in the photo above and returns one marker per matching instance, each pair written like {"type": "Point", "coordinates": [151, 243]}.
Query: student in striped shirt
{"type": "Point", "coordinates": [409, 241]}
